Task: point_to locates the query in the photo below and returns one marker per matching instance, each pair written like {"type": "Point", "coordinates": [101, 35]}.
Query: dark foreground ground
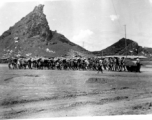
{"type": "Point", "coordinates": [47, 93]}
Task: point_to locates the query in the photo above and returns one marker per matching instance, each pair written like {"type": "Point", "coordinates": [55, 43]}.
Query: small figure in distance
{"type": "Point", "coordinates": [138, 64]}
{"type": "Point", "coordinates": [99, 66]}
{"type": "Point", "coordinates": [123, 67]}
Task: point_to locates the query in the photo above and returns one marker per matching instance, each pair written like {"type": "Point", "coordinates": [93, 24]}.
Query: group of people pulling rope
{"type": "Point", "coordinates": [95, 64]}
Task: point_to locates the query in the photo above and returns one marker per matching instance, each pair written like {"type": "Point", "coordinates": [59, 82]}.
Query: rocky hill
{"type": "Point", "coordinates": [31, 36]}
{"type": "Point", "coordinates": [121, 48]}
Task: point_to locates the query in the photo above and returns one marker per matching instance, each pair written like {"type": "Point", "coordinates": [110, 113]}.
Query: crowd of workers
{"type": "Point", "coordinates": [95, 64]}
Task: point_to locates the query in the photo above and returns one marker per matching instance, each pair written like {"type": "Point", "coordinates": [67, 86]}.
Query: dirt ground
{"type": "Point", "coordinates": [52, 93]}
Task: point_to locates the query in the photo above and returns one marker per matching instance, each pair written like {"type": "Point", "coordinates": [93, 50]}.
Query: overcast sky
{"type": "Point", "coordinates": [96, 23]}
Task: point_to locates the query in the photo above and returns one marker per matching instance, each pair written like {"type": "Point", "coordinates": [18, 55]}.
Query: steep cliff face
{"type": "Point", "coordinates": [32, 25]}
{"type": "Point", "coordinates": [31, 36]}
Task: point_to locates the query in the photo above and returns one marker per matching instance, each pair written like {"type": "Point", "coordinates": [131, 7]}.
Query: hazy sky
{"type": "Point", "coordinates": [96, 23]}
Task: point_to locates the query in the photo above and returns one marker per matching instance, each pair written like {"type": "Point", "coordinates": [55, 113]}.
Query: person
{"type": "Point", "coordinates": [100, 66]}
{"type": "Point", "coordinates": [138, 65]}
{"type": "Point", "coordinates": [122, 64]}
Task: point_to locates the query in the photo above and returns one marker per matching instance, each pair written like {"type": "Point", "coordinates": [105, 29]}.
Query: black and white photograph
{"type": "Point", "coordinates": [75, 58]}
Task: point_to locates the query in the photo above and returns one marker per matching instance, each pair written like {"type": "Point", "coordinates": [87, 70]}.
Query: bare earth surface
{"type": "Point", "coordinates": [48, 93]}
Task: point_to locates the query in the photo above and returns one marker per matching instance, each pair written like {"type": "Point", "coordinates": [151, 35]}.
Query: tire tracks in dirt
{"type": "Point", "coordinates": [8, 79]}
{"type": "Point", "coordinates": [13, 101]}
{"type": "Point", "coordinates": [7, 103]}
{"type": "Point", "coordinates": [17, 113]}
